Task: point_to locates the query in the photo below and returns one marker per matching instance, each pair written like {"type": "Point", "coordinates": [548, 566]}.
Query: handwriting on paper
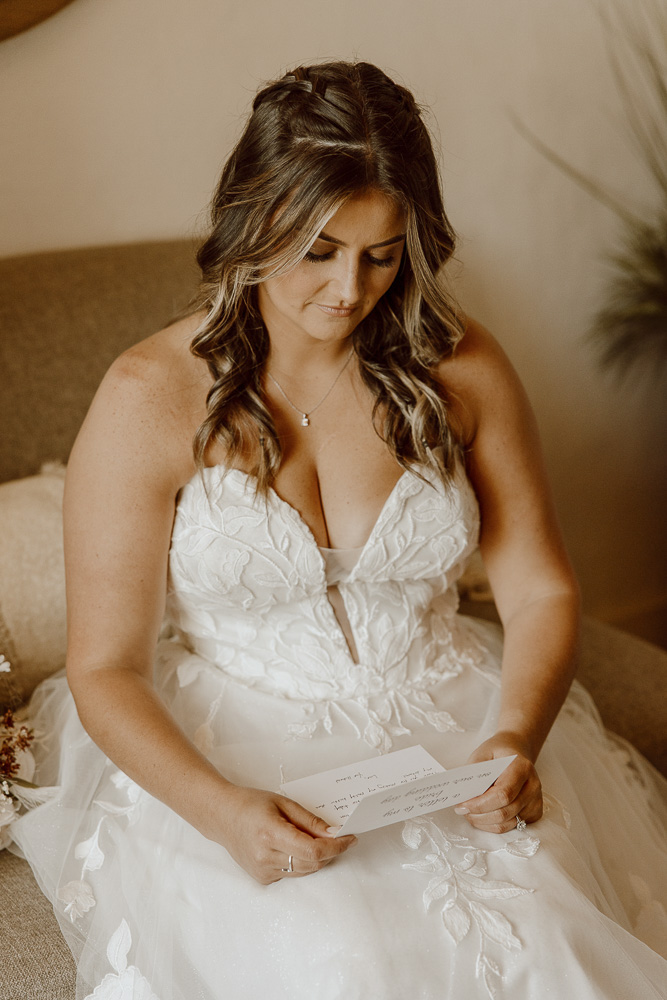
{"type": "Point", "coordinates": [334, 794]}
{"type": "Point", "coordinates": [396, 786]}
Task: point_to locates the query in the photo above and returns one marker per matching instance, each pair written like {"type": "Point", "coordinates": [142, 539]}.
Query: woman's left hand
{"type": "Point", "coordinates": [517, 793]}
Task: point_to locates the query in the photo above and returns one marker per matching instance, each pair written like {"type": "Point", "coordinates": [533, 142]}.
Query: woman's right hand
{"type": "Point", "coordinates": [262, 830]}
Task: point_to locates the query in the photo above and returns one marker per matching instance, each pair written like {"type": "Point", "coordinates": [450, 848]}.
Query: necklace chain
{"type": "Point", "coordinates": [305, 416]}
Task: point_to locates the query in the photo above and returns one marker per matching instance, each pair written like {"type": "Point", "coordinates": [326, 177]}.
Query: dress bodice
{"type": "Point", "coordinates": [248, 586]}
{"type": "Point", "coordinates": [339, 563]}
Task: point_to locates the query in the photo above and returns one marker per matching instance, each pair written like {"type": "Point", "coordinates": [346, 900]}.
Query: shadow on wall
{"type": "Point", "coordinates": [17, 15]}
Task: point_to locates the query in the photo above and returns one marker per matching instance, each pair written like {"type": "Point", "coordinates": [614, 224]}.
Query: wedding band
{"type": "Point", "coordinates": [520, 824]}
{"type": "Point", "coordinates": [290, 866]}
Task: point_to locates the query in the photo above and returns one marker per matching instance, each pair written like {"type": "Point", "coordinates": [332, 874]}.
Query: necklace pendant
{"type": "Point", "coordinates": [305, 419]}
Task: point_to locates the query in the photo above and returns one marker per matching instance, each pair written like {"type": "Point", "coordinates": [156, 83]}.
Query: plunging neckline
{"type": "Point", "coordinates": [297, 518]}
{"type": "Point", "coordinates": [259, 552]}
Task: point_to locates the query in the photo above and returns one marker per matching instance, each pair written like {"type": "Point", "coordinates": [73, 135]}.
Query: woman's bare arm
{"type": "Point", "coordinates": [533, 583]}
{"type": "Point", "coordinates": [131, 458]}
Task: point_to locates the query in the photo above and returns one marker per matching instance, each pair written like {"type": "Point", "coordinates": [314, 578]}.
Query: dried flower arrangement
{"type": "Point", "coordinates": [16, 768]}
{"type": "Point", "coordinates": [15, 761]}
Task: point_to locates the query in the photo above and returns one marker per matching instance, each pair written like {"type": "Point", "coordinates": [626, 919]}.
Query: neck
{"type": "Point", "coordinates": [307, 359]}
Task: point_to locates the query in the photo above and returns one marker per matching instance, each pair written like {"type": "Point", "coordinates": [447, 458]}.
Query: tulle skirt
{"type": "Point", "coordinates": [572, 908]}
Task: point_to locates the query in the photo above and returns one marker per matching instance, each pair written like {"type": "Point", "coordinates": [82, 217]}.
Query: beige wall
{"type": "Point", "coordinates": [118, 113]}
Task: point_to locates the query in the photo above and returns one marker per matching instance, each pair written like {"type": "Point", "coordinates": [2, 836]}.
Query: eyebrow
{"type": "Point", "coordinates": [373, 246]}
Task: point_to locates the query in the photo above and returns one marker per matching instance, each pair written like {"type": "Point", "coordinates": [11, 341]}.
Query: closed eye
{"type": "Point", "coordinates": [317, 258]}
{"type": "Point", "coordinates": [382, 261]}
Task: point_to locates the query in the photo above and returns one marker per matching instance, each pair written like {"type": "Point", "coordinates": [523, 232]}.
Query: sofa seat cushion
{"type": "Point", "coordinates": [36, 963]}
{"type": "Point", "coordinates": [626, 676]}
{"type": "Point", "coordinates": [32, 583]}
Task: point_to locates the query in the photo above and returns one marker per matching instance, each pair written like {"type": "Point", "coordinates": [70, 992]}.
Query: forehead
{"type": "Point", "coordinates": [365, 218]}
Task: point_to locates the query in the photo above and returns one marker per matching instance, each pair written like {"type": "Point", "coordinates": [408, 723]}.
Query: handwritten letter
{"type": "Point", "coordinates": [397, 786]}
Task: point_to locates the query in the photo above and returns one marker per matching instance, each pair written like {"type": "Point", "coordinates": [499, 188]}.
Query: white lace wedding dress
{"type": "Point", "coordinates": [259, 673]}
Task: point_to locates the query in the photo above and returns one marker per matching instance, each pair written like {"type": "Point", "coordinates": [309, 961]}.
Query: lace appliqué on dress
{"type": "Point", "coordinates": [650, 923]}
{"type": "Point", "coordinates": [125, 982]}
{"type": "Point", "coordinates": [248, 593]}
{"type": "Point", "coordinates": [462, 887]}
{"type": "Point", "coordinates": [78, 898]}
{"type": "Point", "coordinates": [379, 724]}
{"type": "Point", "coordinates": [77, 895]}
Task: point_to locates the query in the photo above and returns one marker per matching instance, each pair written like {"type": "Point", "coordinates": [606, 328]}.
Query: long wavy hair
{"type": "Point", "coordinates": [315, 137]}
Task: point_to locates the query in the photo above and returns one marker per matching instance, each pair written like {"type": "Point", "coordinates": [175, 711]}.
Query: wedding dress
{"type": "Point", "coordinates": [259, 671]}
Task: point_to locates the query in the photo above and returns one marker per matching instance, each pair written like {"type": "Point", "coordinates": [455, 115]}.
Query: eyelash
{"type": "Point", "coordinates": [318, 258]}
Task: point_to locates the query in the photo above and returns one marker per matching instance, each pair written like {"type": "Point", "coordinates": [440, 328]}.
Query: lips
{"type": "Point", "coordinates": [342, 312]}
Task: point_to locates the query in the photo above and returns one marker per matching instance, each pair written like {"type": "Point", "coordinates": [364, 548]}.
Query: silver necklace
{"type": "Point", "coordinates": [305, 417]}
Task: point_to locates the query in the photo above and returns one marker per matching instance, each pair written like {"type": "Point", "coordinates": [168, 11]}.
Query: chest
{"type": "Point", "coordinates": [341, 498]}
{"type": "Point", "coordinates": [230, 545]}
{"type": "Point", "coordinates": [336, 472]}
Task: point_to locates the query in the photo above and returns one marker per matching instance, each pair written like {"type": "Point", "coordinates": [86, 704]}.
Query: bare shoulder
{"type": "Point", "coordinates": [480, 381]}
{"type": "Point", "coordinates": [149, 405]}
{"type": "Point", "coordinates": [159, 368]}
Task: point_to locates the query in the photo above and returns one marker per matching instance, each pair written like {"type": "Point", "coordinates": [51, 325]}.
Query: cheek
{"type": "Point", "coordinates": [300, 284]}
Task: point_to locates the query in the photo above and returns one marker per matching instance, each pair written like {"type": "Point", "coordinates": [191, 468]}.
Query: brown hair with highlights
{"type": "Point", "coordinates": [315, 137]}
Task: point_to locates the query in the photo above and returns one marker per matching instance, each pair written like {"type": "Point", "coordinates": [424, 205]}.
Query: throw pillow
{"type": "Point", "coordinates": [32, 582]}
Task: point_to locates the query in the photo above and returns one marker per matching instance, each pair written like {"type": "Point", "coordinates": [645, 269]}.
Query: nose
{"type": "Point", "coordinates": [348, 282]}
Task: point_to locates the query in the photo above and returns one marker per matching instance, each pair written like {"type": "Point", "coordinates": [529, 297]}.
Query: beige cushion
{"type": "Point", "coordinates": [627, 678]}
{"type": "Point", "coordinates": [32, 582]}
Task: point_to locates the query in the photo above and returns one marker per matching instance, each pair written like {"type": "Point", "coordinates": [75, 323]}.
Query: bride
{"type": "Point", "coordinates": [354, 437]}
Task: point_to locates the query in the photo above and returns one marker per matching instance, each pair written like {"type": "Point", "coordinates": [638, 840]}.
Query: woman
{"type": "Point", "coordinates": [351, 434]}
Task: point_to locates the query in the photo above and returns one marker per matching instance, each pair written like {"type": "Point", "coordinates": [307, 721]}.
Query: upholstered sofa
{"type": "Point", "coordinates": [63, 317]}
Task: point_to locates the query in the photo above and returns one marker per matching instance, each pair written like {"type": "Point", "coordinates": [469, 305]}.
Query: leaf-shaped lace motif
{"type": "Point", "coordinates": [461, 884]}
{"type": "Point", "coordinates": [456, 920]}
{"type": "Point", "coordinates": [379, 723]}
{"type": "Point", "coordinates": [551, 803]}
{"type": "Point", "coordinates": [118, 947]}
{"type": "Point", "coordinates": [78, 898]}
{"type": "Point", "coordinates": [89, 851]}
{"type": "Point", "coordinates": [126, 982]}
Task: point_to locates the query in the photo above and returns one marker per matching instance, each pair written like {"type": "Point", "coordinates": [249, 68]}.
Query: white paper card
{"type": "Point", "coordinates": [397, 786]}
{"type": "Point", "coordinates": [438, 791]}
{"type": "Point", "coordinates": [334, 794]}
